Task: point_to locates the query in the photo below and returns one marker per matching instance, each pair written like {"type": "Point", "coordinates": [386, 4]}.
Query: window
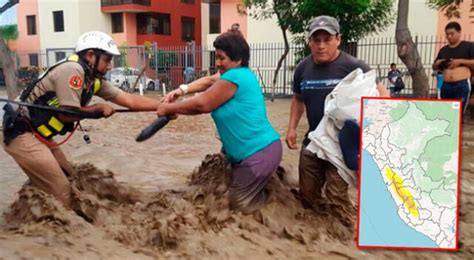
{"type": "Point", "coordinates": [215, 17]}
{"type": "Point", "coordinates": [58, 21]}
{"type": "Point", "coordinates": [187, 28]}
{"type": "Point", "coordinates": [154, 23]}
{"type": "Point", "coordinates": [187, 1]}
{"type": "Point", "coordinates": [33, 59]}
{"type": "Point", "coordinates": [31, 24]}
{"type": "Point", "coordinates": [117, 22]}
{"type": "Point", "coordinates": [60, 55]}
{"type": "Point", "coordinates": [2, 78]}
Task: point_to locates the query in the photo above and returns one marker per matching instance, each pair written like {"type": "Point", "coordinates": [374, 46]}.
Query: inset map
{"type": "Point", "coordinates": [409, 174]}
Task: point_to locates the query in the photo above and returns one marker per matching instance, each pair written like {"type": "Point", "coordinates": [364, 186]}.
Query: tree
{"type": "Point", "coordinates": [449, 7]}
{"type": "Point", "coordinates": [9, 32]}
{"type": "Point", "coordinates": [6, 58]}
{"type": "Point", "coordinates": [123, 59]}
{"type": "Point", "coordinates": [408, 52]}
{"type": "Point", "coordinates": [357, 18]}
{"type": "Point", "coordinates": [283, 10]}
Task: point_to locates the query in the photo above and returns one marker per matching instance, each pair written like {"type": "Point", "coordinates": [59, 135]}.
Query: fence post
{"type": "Point", "coordinates": [186, 51]}
{"type": "Point", "coordinates": [284, 76]}
{"type": "Point", "coordinates": [155, 52]}
{"type": "Point", "coordinates": [47, 58]}
{"type": "Point", "coordinates": [379, 74]}
{"type": "Point", "coordinates": [140, 51]}
{"type": "Point", "coordinates": [193, 51]}
{"type": "Point", "coordinates": [273, 87]}
{"type": "Point", "coordinates": [163, 86]}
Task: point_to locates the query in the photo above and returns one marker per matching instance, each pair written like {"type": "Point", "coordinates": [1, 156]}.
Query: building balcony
{"type": "Point", "coordinates": [125, 6]}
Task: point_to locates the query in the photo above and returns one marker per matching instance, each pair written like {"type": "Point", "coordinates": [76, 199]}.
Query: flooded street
{"type": "Point", "coordinates": [171, 217]}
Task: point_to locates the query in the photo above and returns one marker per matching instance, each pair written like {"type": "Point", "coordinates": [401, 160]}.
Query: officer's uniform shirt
{"type": "Point", "coordinates": [67, 80]}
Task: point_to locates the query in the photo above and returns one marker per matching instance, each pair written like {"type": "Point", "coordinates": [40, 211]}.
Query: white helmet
{"type": "Point", "coordinates": [97, 40]}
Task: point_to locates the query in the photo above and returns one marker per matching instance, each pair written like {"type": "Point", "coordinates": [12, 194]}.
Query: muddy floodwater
{"type": "Point", "coordinates": [166, 198]}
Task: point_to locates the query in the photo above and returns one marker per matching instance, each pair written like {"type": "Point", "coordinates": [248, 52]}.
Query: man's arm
{"type": "Point", "coordinates": [135, 102]}
{"type": "Point", "coordinates": [198, 85]}
{"type": "Point", "coordinates": [214, 97]}
{"type": "Point", "coordinates": [105, 109]}
{"type": "Point", "coordinates": [296, 111]}
{"type": "Point", "coordinates": [461, 62]}
{"type": "Point", "coordinates": [436, 64]}
{"type": "Point", "coordinates": [382, 90]}
{"type": "Point", "coordinates": [203, 83]}
{"type": "Point", "coordinates": [438, 60]}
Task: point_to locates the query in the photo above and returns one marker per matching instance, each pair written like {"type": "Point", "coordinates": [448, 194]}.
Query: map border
{"type": "Point", "coordinates": [459, 175]}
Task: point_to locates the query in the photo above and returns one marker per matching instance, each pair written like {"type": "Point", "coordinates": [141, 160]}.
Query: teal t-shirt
{"type": "Point", "coordinates": [242, 121]}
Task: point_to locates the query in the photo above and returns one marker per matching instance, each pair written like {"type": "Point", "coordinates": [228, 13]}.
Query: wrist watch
{"type": "Point", "coordinates": [184, 88]}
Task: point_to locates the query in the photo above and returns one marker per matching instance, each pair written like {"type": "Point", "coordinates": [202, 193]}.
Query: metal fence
{"type": "Point", "coordinates": [173, 65]}
{"type": "Point", "coordinates": [378, 53]}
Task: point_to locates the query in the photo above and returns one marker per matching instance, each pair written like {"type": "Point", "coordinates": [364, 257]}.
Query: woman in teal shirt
{"type": "Point", "coordinates": [236, 103]}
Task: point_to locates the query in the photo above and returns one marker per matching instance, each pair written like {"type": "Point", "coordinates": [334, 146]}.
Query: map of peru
{"type": "Point", "coordinates": [410, 156]}
{"type": "Point", "coordinates": [402, 193]}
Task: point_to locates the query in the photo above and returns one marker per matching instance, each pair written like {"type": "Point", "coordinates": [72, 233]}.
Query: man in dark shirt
{"type": "Point", "coordinates": [314, 78]}
{"type": "Point", "coordinates": [456, 61]}
{"type": "Point", "coordinates": [395, 80]}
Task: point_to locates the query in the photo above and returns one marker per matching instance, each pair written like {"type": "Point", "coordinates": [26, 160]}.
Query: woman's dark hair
{"type": "Point", "coordinates": [453, 25]}
{"type": "Point", "coordinates": [235, 46]}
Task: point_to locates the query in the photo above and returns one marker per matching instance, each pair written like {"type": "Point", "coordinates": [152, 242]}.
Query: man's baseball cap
{"type": "Point", "coordinates": [326, 23]}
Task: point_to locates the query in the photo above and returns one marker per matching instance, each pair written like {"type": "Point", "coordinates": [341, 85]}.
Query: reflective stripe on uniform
{"type": "Point", "coordinates": [54, 102]}
{"type": "Point", "coordinates": [44, 131]}
{"type": "Point", "coordinates": [97, 85]}
{"type": "Point", "coordinates": [56, 124]}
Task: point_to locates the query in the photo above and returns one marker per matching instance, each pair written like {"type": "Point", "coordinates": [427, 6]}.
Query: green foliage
{"type": "Point", "coordinates": [284, 10]}
{"type": "Point", "coordinates": [148, 49]}
{"type": "Point", "coordinates": [9, 32]}
{"type": "Point", "coordinates": [449, 7]}
{"type": "Point", "coordinates": [123, 49]}
{"type": "Point", "coordinates": [166, 60]}
{"type": "Point", "coordinates": [357, 18]}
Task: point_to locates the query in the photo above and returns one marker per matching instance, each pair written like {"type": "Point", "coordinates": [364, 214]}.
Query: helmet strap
{"type": "Point", "coordinates": [88, 69]}
{"type": "Point", "coordinates": [98, 54]}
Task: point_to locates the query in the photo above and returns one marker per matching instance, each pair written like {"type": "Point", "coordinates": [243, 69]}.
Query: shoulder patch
{"type": "Point", "coordinates": [75, 82]}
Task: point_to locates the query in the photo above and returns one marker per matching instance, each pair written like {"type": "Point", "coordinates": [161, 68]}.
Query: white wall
{"type": "Point", "coordinates": [95, 20]}
{"type": "Point", "coordinates": [258, 31]}
{"type": "Point", "coordinates": [261, 31]}
{"type": "Point", "coordinates": [79, 16]}
{"type": "Point", "coordinates": [48, 37]}
{"type": "Point", "coordinates": [204, 23]}
{"type": "Point", "coordinates": [422, 20]}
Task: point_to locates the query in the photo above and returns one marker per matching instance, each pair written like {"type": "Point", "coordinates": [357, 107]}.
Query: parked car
{"type": "Point", "coordinates": [125, 77]}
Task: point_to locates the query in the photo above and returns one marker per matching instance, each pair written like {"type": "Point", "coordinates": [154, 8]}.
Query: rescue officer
{"type": "Point", "coordinates": [68, 85]}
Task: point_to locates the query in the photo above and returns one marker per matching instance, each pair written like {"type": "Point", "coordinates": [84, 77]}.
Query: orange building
{"type": "Point", "coordinates": [56, 25]}
{"type": "Point", "coordinates": [28, 42]}
{"type": "Point", "coordinates": [171, 22]}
